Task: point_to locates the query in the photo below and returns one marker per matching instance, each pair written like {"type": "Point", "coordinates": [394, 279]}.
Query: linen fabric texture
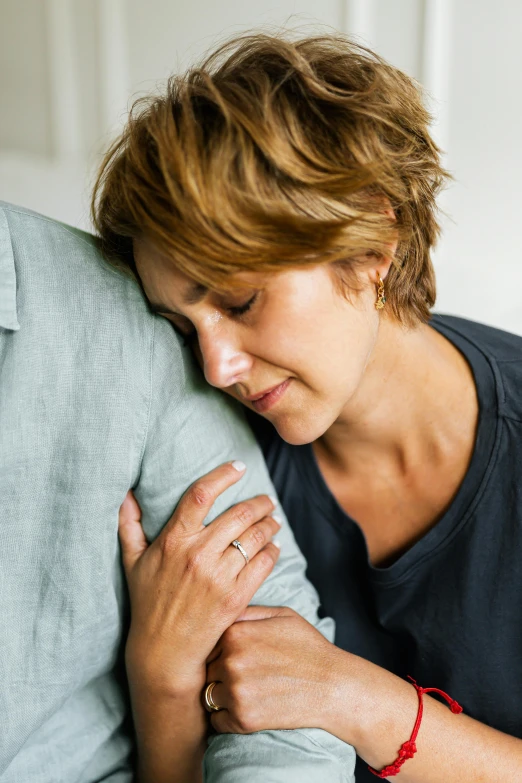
{"type": "Point", "coordinates": [96, 396]}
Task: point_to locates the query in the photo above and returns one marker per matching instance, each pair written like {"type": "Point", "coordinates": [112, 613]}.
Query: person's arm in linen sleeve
{"type": "Point", "coordinates": [193, 428]}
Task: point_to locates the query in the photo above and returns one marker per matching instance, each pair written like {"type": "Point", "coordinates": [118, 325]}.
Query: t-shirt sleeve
{"type": "Point", "coordinates": [191, 429]}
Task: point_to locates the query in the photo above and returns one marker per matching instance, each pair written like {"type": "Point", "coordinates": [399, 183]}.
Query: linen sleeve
{"type": "Point", "coordinates": [191, 429]}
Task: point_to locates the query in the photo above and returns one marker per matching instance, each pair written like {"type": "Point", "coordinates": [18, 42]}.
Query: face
{"type": "Point", "coordinates": [292, 347]}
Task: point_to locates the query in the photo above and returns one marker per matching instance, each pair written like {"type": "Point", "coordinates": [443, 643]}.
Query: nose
{"type": "Point", "coordinates": [224, 362]}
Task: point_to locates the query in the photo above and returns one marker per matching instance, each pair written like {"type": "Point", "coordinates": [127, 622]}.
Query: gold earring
{"type": "Point", "coordinates": [381, 299]}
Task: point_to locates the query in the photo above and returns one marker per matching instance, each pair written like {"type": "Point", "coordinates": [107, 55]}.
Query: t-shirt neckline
{"type": "Point", "coordinates": [468, 495]}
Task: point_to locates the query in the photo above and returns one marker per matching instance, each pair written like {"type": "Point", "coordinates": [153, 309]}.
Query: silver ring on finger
{"type": "Point", "coordinates": [238, 546]}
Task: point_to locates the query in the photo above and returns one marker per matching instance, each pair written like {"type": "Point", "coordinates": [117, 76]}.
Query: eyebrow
{"type": "Point", "coordinates": [194, 295]}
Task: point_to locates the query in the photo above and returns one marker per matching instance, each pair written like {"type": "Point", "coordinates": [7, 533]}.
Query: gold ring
{"type": "Point", "coordinates": [210, 704]}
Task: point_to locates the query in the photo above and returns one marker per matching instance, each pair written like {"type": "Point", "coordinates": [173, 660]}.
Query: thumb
{"type": "Point", "coordinates": [132, 538]}
{"type": "Point", "coordinates": [265, 612]}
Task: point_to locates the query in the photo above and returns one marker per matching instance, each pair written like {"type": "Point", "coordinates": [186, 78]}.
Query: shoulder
{"type": "Point", "coordinates": [502, 349]}
{"type": "Point", "coordinates": [496, 343]}
{"type": "Point", "coordinates": [61, 271]}
{"type": "Point", "coordinates": [24, 226]}
{"type": "Point", "coordinates": [45, 250]}
{"type": "Point", "coordinates": [66, 287]}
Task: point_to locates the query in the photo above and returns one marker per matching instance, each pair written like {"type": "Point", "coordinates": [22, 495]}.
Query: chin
{"type": "Point", "coordinates": [299, 430]}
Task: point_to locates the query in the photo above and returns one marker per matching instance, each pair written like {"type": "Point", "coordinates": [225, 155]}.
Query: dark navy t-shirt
{"type": "Point", "coordinates": [448, 612]}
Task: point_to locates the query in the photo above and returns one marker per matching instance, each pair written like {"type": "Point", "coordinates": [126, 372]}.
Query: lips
{"type": "Point", "coordinates": [269, 398]}
{"type": "Point", "coordinates": [255, 397]}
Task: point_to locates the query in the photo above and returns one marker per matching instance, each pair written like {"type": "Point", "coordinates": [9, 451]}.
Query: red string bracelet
{"type": "Point", "coordinates": [409, 749]}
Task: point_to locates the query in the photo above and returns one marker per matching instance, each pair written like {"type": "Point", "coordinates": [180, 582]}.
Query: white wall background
{"type": "Point", "coordinates": [69, 67]}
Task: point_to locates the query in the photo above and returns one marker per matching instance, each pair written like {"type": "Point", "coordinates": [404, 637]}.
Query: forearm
{"type": "Point", "coordinates": [381, 716]}
{"type": "Point", "coordinates": [171, 735]}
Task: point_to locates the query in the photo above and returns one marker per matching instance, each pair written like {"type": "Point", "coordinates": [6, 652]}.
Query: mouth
{"type": "Point", "coordinates": [267, 399]}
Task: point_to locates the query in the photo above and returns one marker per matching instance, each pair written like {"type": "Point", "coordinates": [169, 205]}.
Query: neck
{"type": "Point", "coordinates": [417, 396]}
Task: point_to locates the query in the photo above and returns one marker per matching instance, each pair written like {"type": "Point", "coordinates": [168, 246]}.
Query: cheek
{"type": "Point", "coordinates": [327, 348]}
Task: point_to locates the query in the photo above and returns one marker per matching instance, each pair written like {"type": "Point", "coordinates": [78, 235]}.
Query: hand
{"type": "Point", "coordinates": [273, 671]}
{"type": "Point", "coordinates": [190, 584]}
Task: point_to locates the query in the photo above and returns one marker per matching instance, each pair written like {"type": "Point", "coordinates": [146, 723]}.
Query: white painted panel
{"type": "Point", "coordinates": [54, 188]}
{"type": "Point", "coordinates": [398, 33]}
{"type": "Point", "coordinates": [479, 264]}
{"type": "Point", "coordinates": [393, 29]}
{"type": "Point", "coordinates": [165, 37]}
{"type": "Point", "coordinates": [24, 78]}
{"type": "Point", "coordinates": [89, 77]}
{"type": "Point", "coordinates": [64, 79]}
{"type": "Point", "coordinates": [436, 52]}
{"type": "Point", "coordinates": [114, 82]}
{"type": "Point", "coordinates": [359, 20]}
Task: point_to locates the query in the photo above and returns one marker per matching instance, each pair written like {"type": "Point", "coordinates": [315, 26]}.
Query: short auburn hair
{"type": "Point", "coordinates": [277, 153]}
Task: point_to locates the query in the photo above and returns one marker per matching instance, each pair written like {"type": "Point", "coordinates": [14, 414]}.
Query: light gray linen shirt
{"type": "Point", "coordinates": [96, 396]}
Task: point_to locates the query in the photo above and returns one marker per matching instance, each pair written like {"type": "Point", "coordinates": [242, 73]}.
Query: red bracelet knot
{"type": "Point", "coordinates": [409, 748]}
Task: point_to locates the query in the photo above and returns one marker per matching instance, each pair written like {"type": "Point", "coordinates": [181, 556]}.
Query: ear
{"type": "Point", "coordinates": [383, 264]}
{"type": "Point", "coordinates": [380, 269]}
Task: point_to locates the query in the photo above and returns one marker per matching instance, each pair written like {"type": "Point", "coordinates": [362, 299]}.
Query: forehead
{"type": "Point", "coordinates": [164, 283]}
{"type": "Point", "coordinates": [161, 280]}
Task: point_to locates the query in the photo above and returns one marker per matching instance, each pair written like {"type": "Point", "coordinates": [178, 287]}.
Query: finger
{"type": "Point", "coordinates": [201, 496]}
{"type": "Point", "coordinates": [252, 541]}
{"type": "Point", "coordinates": [221, 722]}
{"type": "Point", "coordinates": [264, 613]}
{"type": "Point", "coordinates": [252, 577]}
{"type": "Point", "coordinates": [132, 538]}
{"type": "Point", "coordinates": [231, 524]}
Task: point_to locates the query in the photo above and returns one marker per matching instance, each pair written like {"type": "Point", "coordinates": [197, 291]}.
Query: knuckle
{"type": "Point", "coordinates": [244, 514]}
{"type": "Point", "coordinates": [246, 719]}
{"type": "Point", "coordinates": [258, 535]}
{"type": "Point", "coordinates": [229, 635]}
{"type": "Point", "coordinates": [237, 667]}
{"type": "Point", "coordinates": [199, 495]}
{"type": "Point", "coordinates": [234, 632]}
{"type": "Point", "coordinates": [169, 543]}
{"type": "Point", "coordinates": [196, 560]}
{"type": "Point", "coordinates": [266, 561]}
{"type": "Point", "coordinates": [233, 664]}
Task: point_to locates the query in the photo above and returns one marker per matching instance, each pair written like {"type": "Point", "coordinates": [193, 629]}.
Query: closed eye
{"type": "Point", "coordinates": [183, 326]}
{"type": "Point", "coordinates": [237, 310]}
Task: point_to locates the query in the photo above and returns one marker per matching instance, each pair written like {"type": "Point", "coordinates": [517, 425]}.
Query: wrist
{"type": "Point", "coordinates": [366, 701]}
{"type": "Point", "coordinates": [342, 703]}
{"type": "Point", "coordinates": [173, 677]}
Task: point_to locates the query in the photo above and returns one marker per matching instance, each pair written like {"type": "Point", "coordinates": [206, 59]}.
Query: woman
{"type": "Point", "coordinates": [279, 207]}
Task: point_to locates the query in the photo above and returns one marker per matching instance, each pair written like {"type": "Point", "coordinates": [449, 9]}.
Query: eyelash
{"type": "Point", "coordinates": [237, 311]}
{"type": "Point", "coordinates": [244, 308]}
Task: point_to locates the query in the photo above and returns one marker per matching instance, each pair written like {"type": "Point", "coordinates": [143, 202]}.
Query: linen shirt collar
{"type": "Point", "coordinates": [8, 311]}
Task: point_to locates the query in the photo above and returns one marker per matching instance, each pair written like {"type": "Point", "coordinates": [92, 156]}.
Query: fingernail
{"type": "Point", "coordinates": [276, 543]}
{"type": "Point", "coordinates": [278, 518]}
{"type": "Point", "coordinates": [239, 466]}
{"type": "Point", "coordinates": [273, 500]}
